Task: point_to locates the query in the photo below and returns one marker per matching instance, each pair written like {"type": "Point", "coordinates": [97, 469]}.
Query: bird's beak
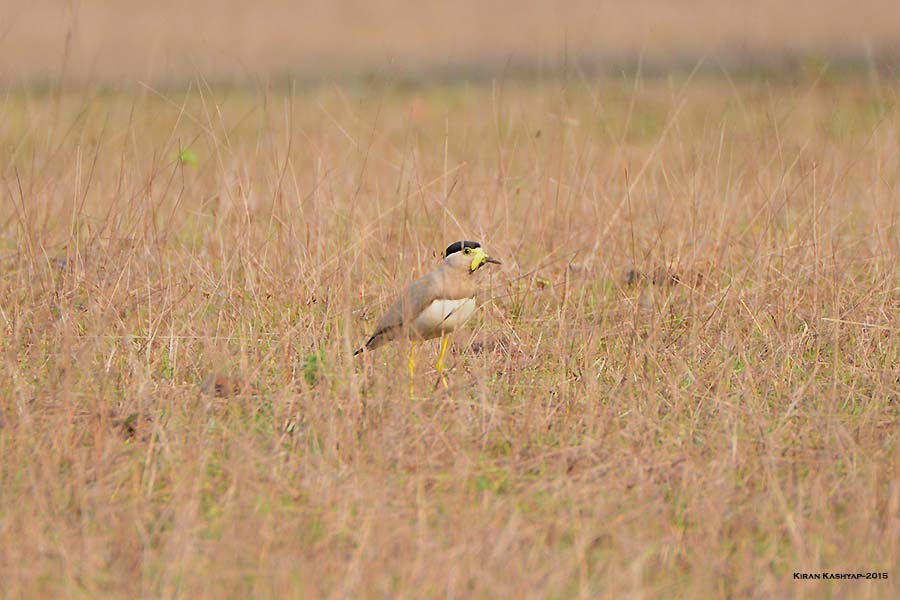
{"type": "Point", "coordinates": [481, 258]}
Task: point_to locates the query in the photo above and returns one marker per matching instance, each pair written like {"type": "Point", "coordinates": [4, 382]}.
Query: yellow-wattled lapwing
{"type": "Point", "coordinates": [434, 304]}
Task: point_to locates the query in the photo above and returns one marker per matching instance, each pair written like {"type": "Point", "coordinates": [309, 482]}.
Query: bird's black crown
{"type": "Point", "coordinates": [458, 246]}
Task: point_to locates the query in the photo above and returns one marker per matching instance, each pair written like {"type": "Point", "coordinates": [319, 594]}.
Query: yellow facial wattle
{"type": "Point", "coordinates": [478, 257]}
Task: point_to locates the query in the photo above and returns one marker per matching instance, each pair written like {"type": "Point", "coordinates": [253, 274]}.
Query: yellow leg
{"type": "Point", "coordinates": [445, 340]}
{"type": "Point", "coordinates": [412, 365]}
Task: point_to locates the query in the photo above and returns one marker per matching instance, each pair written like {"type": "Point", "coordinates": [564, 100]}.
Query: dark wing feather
{"type": "Point", "coordinates": [414, 299]}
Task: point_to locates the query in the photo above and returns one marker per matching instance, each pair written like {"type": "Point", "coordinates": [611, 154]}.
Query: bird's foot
{"type": "Point", "coordinates": [441, 381]}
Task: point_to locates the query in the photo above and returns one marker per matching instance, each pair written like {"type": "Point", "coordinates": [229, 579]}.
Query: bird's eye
{"type": "Point", "coordinates": [467, 251]}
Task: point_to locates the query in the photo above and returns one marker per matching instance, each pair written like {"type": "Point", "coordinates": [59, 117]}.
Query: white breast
{"type": "Point", "coordinates": [443, 316]}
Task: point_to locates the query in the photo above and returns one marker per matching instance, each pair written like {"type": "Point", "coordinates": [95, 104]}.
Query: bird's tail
{"type": "Point", "coordinates": [373, 342]}
{"type": "Point", "coordinates": [366, 346]}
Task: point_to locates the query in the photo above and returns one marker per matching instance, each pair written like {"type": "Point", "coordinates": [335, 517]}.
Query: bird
{"type": "Point", "coordinates": [434, 305]}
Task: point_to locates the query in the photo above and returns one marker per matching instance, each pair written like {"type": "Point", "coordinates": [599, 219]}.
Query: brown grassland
{"type": "Point", "coordinates": [683, 381]}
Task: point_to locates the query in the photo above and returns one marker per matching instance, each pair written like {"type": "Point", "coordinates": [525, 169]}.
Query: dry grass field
{"type": "Point", "coordinates": [683, 381]}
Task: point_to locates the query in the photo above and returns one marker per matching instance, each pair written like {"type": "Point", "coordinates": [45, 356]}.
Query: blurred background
{"type": "Point", "coordinates": [272, 41]}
